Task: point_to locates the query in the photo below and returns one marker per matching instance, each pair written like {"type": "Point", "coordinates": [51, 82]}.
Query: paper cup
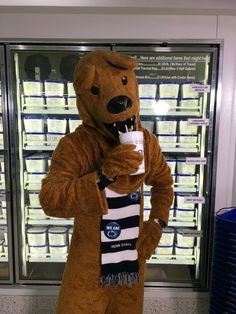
{"type": "Point", "coordinates": [136, 138]}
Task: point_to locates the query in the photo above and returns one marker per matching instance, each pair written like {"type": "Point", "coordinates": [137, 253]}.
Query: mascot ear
{"type": "Point", "coordinates": [120, 60]}
{"type": "Point", "coordinates": [83, 76]}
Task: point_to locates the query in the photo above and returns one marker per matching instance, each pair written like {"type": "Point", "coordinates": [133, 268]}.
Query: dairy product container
{"type": "Point", "coordinates": [31, 87]}
{"type": "Point", "coordinates": [70, 232]}
{"type": "Point", "coordinates": [38, 249]}
{"type": "Point", "coordinates": [171, 213]}
{"type": "Point", "coordinates": [2, 163]}
{"type": "Point", "coordinates": [183, 252]}
{"type": "Point", "coordinates": [4, 211]}
{"type": "Point", "coordinates": [149, 125]}
{"type": "Point", "coordinates": [168, 90]}
{"type": "Point", "coordinates": [35, 102]}
{"type": "Point", "coordinates": [70, 89]}
{"type": "Point", "coordinates": [187, 92]}
{"type": "Point", "coordinates": [185, 168]}
{"type": "Point", "coordinates": [36, 162]}
{"type": "Point", "coordinates": [58, 249]}
{"type": "Point", "coordinates": [71, 102]}
{"type": "Point", "coordinates": [167, 140]}
{"type": "Point", "coordinates": [147, 201]}
{"type": "Point", "coordinates": [186, 140]}
{"type": "Point", "coordinates": [180, 198]}
{"type": "Point", "coordinates": [148, 104]}
{"type": "Point", "coordinates": [36, 177]}
{"type": "Point", "coordinates": [37, 235]}
{"type": "Point", "coordinates": [54, 88]}
{"type": "Point", "coordinates": [184, 241]}
{"type": "Point", "coordinates": [172, 164]}
{"type": "Point", "coordinates": [54, 138]}
{"type": "Point", "coordinates": [189, 104]}
{"type": "Point", "coordinates": [167, 237]}
{"type": "Point", "coordinates": [147, 90]}
{"type": "Point", "coordinates": [35, 139]}
{"type": "Point", "coordinates": [34, 198]}
{"type": "Point", "coordinates": [74, 123]}
{"type": "Point", "coordinates": [164, 250]}
{"type": "Point", "coordinates": [164, 105]}
{"type": "Point", "coordinates": [166, 127]}
{"type": "Point", "coordinates": [57, 235]}
{"type": "Point", "coordinates": [146, 213]}
{"type": "Point", "coordinates": [187, 128]}
{"type": "Point", "coordinates": [33, 124]}
{"type": "Point", "coordinates": [56, 125]}
{"type": "Point", "coordinates": [184, 213]}
{"type": "Point", "coordinates": [186, 179]}
{"type": "Point", "coordinates": [54, 102]}
{"type": "Point", "coordinates": [36, 212]}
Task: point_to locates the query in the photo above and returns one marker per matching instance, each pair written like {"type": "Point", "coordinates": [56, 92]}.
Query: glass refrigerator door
{"type": "Point", "coordinates": [5, 214]}
{"type": "Point", "coordinates": [45, 105]}
{"type": "Point", "coordinates": [177, 96]}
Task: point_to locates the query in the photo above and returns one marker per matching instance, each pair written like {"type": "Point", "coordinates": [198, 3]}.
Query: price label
{"type": "Point", "coordinates": [199, 122]}
{"type": "Point", "coordinates": [199, 88]}
{"type": "Point", "coordinates": [196, 160]}
{"type": "Point", "coordinates": [194, 199]}
{"type": "Point", "coordinates": [192, 233]}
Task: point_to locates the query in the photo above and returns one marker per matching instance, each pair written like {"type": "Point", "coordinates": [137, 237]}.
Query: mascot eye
{"type": "Point", "coordinates": [124, 80]}
{"type": "Point", "coordinates": [94, 90]}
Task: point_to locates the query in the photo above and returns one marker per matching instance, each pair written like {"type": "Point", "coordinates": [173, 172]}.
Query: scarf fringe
{"type": "Point", "coordinates": [119, 279]}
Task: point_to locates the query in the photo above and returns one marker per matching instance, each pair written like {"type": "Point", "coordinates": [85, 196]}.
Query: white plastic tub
{"type": "Point", "coordinates": [165, 105]}
{"type": "Point", "coordinates": [166, 127]}
{"type": "Point", "coordinates": [70, 89]}
{"type": "Point", "coordinates": [189, 104]}
{"type": "Point", "coordinates": [185, 168]}
{"type": "Point", "coordinates": [55, 102]}
{"type": "Point", "coordinates": [34, 198]}
{"type": "Point", "coordinates": [36, 212]}
{"type": "Point", "coordinates": [168, 90]}
{"type": "Point", "coordinates": [183, 252]}
{"type": "Point", "coordinates": [186, 140]}
{"type": "Point", "coordinates": [184, 213]}
{"type": "Point", "coordinates": [186, 179]}
{"type": "Point", "coordinates": [36, 177]}
{"type": "Point", "coordinates": [187, 92]}
{"type": "Point", "coordinates": [35, 102]}
{"type": "Point", "coordinates": [36, 163]}
{"type": "Point", "coordinates": [57, 235]}
{"type": "Point", "coordinates": [35, 139]}
{"type": "Point", "coordinates": [180, 198]}
{"type": "Point", "coordinates": [71, 102]}
{"type": "Point", "coordinates": [37, 235]}
{"type": "Point", "coordinates": [74, 123]}
{"type": "Point", "coordinates": [146, 213]}
{"type": "Point", "coordinates": [167, 140]}
{"type": "Point", "coordinates": [38, 249]}
{"type": "Point", "coordinates": [31, 87]}
{"type": "Point", "coordinates": [148, 104]}
{"type": "Point", "coordinates": [58, 249]}
{"type": "Point", "coordinates": [56, 125]}
{"type": "Point", "coordinates": [184, 241]}
{"type": "Point", "coordinates": [187, 128]}
{"type": "Point", "coordinates": [54, 138]}
{"type": "Point", "coordinates": [147, 90]}
{"type": "Point", "coordinates": [167, 238]}
{"type": "Point", "coordinates": [172, 164]}
{"type": "Point", "coordinates": [164, 250]}
{"type": "Point", "coordinates": [54, 88]}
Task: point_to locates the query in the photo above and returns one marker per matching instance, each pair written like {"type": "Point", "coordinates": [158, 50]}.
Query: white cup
{"type": "Point", "coordinates": [136, 138]}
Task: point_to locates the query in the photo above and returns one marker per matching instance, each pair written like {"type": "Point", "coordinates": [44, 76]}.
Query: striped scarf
{"type": "Point", "coordinates": [119, 233]}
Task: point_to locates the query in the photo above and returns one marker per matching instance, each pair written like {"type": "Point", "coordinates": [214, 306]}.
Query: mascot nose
{"type": "Point", "coordinates": [119, 104]}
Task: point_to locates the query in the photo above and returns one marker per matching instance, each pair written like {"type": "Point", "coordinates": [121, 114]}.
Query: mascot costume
{"type": "Point", "coordinates": [91, 179]}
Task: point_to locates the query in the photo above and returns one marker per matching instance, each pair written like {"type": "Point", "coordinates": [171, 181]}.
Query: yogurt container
{"type": "Point", "coordinates": [54, 102]}
{"type": "Point", "coordinates": [36, 177]}
{"type": "Point", "coordinates": [54, 138]}
{"type": "Point", "coordinates": [37, 235]}
{"type": "Point", "coordinates": [186, 179]}
{"type": "Point", "coordinates": [166, 127]}
{"type": "Point", "coordinates": [148, 104]}
{"type": "Point", "coordinates": [187, 128]}
{"type": "Point", "coordinates": [36, 212]}
{"type": "Point", "coordinates": [146, 213]}
{"type": "Point", "coordinates": [185, 168]}
{"type": "Point", "coordinates": [183, 252]}
{"type": "Point", "coordinates": [167, 237]}
{"type": "Point", "coordinates": [167, 140]}
{"type": "Point", "coordinates": [164, 250]}
{"type": "Point", "coordinates": [168, 90]}
{"type": "Point", "coordinates": [31, 87]}
{"type": "Point", "coordinates": [147, 201]}
{"type": "Point", "coordinates": [184, 213]}
{"type": "Point", "coordinates": [34, 139]}
{"type": "Point", "coordinates": [58, 249]}
{"type": "Point", "coordinates": [187, 92]}
{"type": "Point", "coordinates": [38, 249]}
{"type": "Point", "coordinates": [36, 162]}
{"type": "Point", "coordinates": [56, 125]}
{"type": "Point", "coordinates": [180, 199]}
{"type": "Point", "coordinates": [34, 124]}
{"type": "Point", "coordinates": [34, 199]}
{"type": "Point", "coordinates": [57, 235]}
{"type": "Point", "coordinates": [184, 241]}
{"type": "Point", "coordinates": [54, 88]}
{"type": "Point", "coordinates": [71, 102]}
{"type": "Point", "coordinates": [172, 164]}
{"type": "Point", "coordinates": [189, 104]}
{"type": "Point", "coordinates": [147, 90]}
{"type": "Point", "coordinates": [35, 102]}
{"type": "Point", "coordinates": [186, 140]}
{"type": "Point", "coordinates": [74, 123]}
{"type": "Point", "coordinates": [70, 89]}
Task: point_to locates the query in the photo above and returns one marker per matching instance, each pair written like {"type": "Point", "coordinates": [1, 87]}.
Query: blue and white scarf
{"type": "Point", "coordinates": [119, 233]}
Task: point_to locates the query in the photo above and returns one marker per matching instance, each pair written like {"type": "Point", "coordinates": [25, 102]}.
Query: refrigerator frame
{"type": "Point", "coordinates": [7, 162]}
{"type": "Point", "coordinates": [111, 44]}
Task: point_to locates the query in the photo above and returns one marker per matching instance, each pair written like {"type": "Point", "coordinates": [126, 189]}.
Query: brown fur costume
{"type": "Point", "coordinates": [71, 187]}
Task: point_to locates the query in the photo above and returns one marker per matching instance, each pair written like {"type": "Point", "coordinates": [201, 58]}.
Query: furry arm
{"type": "Point", "coordinates": [71, 186]}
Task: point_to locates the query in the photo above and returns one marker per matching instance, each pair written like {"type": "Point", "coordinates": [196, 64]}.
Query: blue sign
{"type": "Point", "coordinates": [112, 230]}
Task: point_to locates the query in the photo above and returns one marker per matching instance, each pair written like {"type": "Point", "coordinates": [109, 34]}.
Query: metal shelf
{"type": "Point", "coordinates": [49, 221]}
{"type": "Point", "coordinates": [57, 111]}
{"type": "Point", "coordinates": [172, 259]}
{"type": "Point", "coordinates": [185, 223]}
{"type": "Point", "coordinates": [47, 257]}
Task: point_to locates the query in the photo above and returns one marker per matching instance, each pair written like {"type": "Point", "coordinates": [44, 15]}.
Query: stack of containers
{"type": "Point", "coordinates": [147, 205]}
{"type": "Point", "coordinates": [57, 128]}
{"type": "Point", "coordinates": [184, 247]}
{"type": "Point", "coordinates": [71, 97]}
{"type": "Point", "coordinates": [185, 211]}
{"type": "Point", "coordinates": [34, 131]}
{"type": "Point", "coordinates": [147, 95]}
{"type": "Point", "coordinates": [187, 134]}
{"type": "Point", "coordinates": [166, 244]}
{"type": "Point", "coordinates": [186, 173]}
{"type": "Point", "coordinates": [54, 94]}
{"type": "Point", "coordinates": [33, 95]}
{"type": "Point", "coordinates": [37, 240]}
{"type": "Point", "coordinates": [57, 239]}
{"type": "Point", "coordinates": [166, 132]}
{"type": "Point", "coordinates": [168, 97]}
{"type": "Point", "coordinates": [190, 99]}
